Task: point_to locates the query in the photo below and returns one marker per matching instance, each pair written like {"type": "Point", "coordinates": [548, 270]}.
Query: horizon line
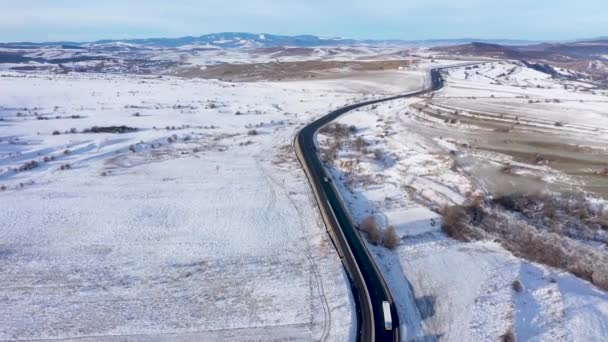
{"type": "Point", "coordinates": [307, 35]}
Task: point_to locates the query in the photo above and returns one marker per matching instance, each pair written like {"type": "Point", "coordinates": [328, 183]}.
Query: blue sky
{"type": "Point", "coordinates": [78, 20]}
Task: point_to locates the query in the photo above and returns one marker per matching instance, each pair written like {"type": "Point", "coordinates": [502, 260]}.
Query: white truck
{"type": "Point", "coordinates": [388, 318]}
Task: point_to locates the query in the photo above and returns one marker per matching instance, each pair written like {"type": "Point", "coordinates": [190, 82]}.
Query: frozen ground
{"type": "Point", "coordinates": [138, 59]}
{"type": "Point", "coordinates": [200, 225]}
{"type": "Point", "coordinates": [552, 129]}
{"type": "Point", "coordinates": [448, 290]}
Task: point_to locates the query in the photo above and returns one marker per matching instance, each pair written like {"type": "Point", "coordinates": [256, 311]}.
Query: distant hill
{"type": "Point", "coordinates": [589, 56]}
{"type": "Point", "coordinates": [263, 40]}
{"type": "Point", "coordinates": [481, 50]}
{"type": "Point", "coordinates": [555, 52]}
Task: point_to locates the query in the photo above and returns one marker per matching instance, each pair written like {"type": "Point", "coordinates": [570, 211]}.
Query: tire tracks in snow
{"type": "Point", "coordinates": [272, 184]}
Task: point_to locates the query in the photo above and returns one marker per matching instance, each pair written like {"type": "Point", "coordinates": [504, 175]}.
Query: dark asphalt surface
{"type": "Point", "coordinates": [368, 285]}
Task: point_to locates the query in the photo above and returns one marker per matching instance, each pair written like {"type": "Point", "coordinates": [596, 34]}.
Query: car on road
{"type": "Point", "coordinates": [388, 318]}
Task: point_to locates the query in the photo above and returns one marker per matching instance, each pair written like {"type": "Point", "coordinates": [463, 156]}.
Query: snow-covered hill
{"type": "Point", "coordinates": [248, 40]}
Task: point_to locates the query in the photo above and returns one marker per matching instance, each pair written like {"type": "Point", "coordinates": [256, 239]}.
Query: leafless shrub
{"type": "Point", "coordinates": [549, 210]}
{"type": "Point", "coordinates": [551, 230]}
{"type": "Point", "coordinates": [454, 166]}
{"type": "Point", "coordinates": [360, 144]}
{"type": "Point", "coordinates": [110, 129]}
{"type": "Point", "coordinates": [328, 156]}
{"type": "Point", "coordinates": [545, 249]}
{"type": "Point", "coordinates": [371, 229]}
{"type": "Point", "coordinates": [331, 152]}
{"type": "Point", "coordinates": [600, 275]}
{"type": "Point", "coordinates": [537, 206]}
{"type": "Point", "coordinates": [517, 286]}
{"type": "Point", "coordinates": [578, 208]}
{"type": "Point", "coordinates": [453, 223]}
{"type": "Point", "coordinates": [378, 154]}
{"type": "Point", "coordinates": [509, 336]}
{"type": "Point", "coordinates": [602, 220]}
{"type": "Point", "coordinates": [513, 202]}
{"type": "Point", "coordinates": [338, 130]}
{"type": "Point", "coordinates": [604, 172]}
{"type": "Point", "coordinates": [56, 132]}
{"type": "Point", "coordinates": [390, 239]}
{"type": "Point", "coordinates": [458, 218]}
{"type": "Point", "coordinates": [539, 159]}
{"type": "Point", "coordinates": [29, 166]}
{"type": "Point", "coordinates": [507, 169]}
{"type": "Point", "coordinates": [474, 207]}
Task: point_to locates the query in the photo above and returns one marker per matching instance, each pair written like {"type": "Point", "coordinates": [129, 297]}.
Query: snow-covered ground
{"type": "Point", "coordinates": [448, 290]}
{"type": "Point", "coordinates": [121, 58]}
{"type": "Point", "coordinates": [200, 225]}
{"type": "Point", "coordinates": [511, 88]}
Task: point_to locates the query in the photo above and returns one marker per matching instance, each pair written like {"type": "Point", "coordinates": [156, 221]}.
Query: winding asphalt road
{"type": "Point", "coordinates": [368, 286]}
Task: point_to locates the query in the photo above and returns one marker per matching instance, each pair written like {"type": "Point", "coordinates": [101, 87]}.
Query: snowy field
{"type": "Point", "coordinates": [504, 106]}
{"type": "Point", "coordinates": [511, 88]}
{"type": "Point", "coordinates": [194, 221]}
{"type": "Point", "coordinates": [448, 290]}
{"type": "Point", "coordinates": [160, 208]}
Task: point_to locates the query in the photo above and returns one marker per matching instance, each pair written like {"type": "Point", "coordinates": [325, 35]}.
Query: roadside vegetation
{"type": "Point", "coordinates": [341, 135]}
{"type": "Point", "coordinates": [376, 235]}
{"type": "Point", "coordinates": [344, 137]}
{"type": "Point", "coordinates": [566, 232]}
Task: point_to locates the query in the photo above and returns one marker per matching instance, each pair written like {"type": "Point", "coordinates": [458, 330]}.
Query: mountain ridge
{"type": "Point", "coordinates": [244, 40]}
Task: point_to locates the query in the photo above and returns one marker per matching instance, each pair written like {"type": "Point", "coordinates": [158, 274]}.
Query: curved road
{"type": "Point", "coordinates": [368, 285]}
